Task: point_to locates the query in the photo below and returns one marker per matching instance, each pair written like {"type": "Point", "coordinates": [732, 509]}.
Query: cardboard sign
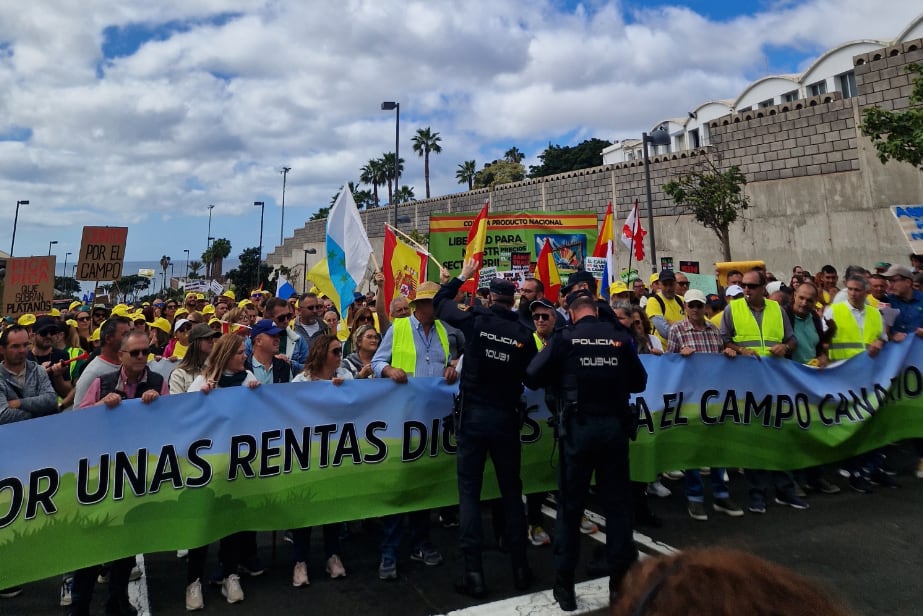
{"type": "Point", "coordinates": [910, 219]}
{"type": "Point", "coordinates": [28, 286]}
{"type": "Point", "coordinates": [705, 283]}
{"type": "Point", "coordinates": [689, 267]}
{"type": "Point", "coordinates": [519, 262]}
{"type": "Point", "coordinates": [596, 266]}
{"type": "Point", "coordinates": [102, 253]}
{"type": "Point", "coordinates": [486, 275]}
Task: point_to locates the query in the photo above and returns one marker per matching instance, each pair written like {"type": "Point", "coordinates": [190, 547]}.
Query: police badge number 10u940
{"type": "Point", "coordinates": [597, 361]}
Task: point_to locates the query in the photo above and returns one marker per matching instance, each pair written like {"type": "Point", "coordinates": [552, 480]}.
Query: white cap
{"type": "Point", "coordinates": [179, 323]}
{"type": "Point", "coordinates": [733, 291]}
{"type": "Point", "coordinates": [773, 287]}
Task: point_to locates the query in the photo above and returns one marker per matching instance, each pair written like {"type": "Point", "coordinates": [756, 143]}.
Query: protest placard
{"type": "Point", "coordinates": [486, 275]}
{"type": "Point", "coordinates": [28, 286]}
{"type": "Point", "coordinates": [596, 266]}
{"type": "Point", "coordinates": [102, 253]}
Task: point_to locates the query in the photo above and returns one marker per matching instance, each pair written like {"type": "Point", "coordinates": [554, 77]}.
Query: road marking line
{"type": "Point", "coordinates": [137, 590]}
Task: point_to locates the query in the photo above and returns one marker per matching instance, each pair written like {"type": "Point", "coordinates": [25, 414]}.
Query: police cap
{"type": "Point", "coordinates": [503, 287]}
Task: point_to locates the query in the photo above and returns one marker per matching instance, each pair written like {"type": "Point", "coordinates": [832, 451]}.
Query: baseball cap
{"type": "Point", "coordinates": [898, 271]}
{"type": "Point", "coordinates": [265, 326]}
{"type": "Point", "coordinates": [179, 323]}
{"type": "Point", "coordinates": [618, 287]}
{"type": "Point", "coordinates": [694, 295]}
{"type": "Point", "coordinates": [74, 305]}
{"type": "Point", "coordinates": [45, 325]}
{"type": "Point", "coordinates": [733, 291]}
{"type": "Point", "coordinates": [667, 275]}
{"type": "Point", "coordinates": [571, 297]}
{"type": "Point", "coordinates": [774, 287]}
{"type": "Point", "coordinates": [26, 320]}
{"type": "Point", "coordinates": [200, 331]}
{"type": "Point", "coordinates": [654, 278]}
{"type": "Point", "coordinates": [541, 303]}
{"type": "Point", "coordinates": [502, 287]}
{"type": "Point", "coordinates": [162, 324]}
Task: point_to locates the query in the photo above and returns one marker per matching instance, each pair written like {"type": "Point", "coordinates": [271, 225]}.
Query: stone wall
{"type": "Point", "coordinates": [818, 192]}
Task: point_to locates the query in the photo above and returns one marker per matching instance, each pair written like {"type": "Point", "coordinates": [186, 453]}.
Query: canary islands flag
{"type": "Point", "coordinates": [348, 248]}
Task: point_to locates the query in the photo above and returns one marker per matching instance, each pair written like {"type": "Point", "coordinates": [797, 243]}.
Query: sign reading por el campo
{"type": "Point", "coordinates": [29, 285]}
{"type": "Point", "coordinates": [102, 252]}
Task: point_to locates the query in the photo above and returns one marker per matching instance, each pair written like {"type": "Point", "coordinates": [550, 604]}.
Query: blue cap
{"type": "Point", "coordinates": [265, 326]}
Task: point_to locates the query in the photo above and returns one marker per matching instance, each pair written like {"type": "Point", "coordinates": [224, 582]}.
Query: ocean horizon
{"type": "Point", "coordinates": [177, 270]}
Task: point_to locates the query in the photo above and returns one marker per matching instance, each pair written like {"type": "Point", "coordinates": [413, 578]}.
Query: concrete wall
{"type": "Point", "coordinates": [818, 192]}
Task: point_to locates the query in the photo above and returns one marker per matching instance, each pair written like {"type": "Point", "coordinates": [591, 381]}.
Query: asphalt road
{"type": "Point", "coordinates": [864, 548]}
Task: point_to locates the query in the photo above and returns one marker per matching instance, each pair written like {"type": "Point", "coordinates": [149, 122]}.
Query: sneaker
{"type": "Point", "coordinates": [194, 600]}
{"type": "Point", "coordinates": [919, 472]}
{"type": "Point", "coordinates": [538, 536]}
{"type": "Point", "coordinates": [757, 504]}
{"type": "Point", "coordinates": [697, 511]}
{"type": "Point", "coordinates": [387, 568]}
{"type": "Point", "coordinates": [823, 486]}
{"type": "Point", "coordinates": [103, 577]}
{"type": "Point", "coordinates": [587, 527]}
{"type": "Point", "coordinates": [252, 566]}
{"type": "Point", "coordinates": [12, 591]}
{"type": "Point", "coordinates": [288, 537]}
{"type": "Point", "coordinates": [674, 475]}
{"type": "Point", "coordinates": [300, 575]}
{"type": "Point", "coordinates": [182, 553]}
{"type": "Point", "coordinates": [658, 489]}
{"type": "Point", "coordinates": [881, 478]}
{"type": "Point", "coordinates": [727, 506]}
{"type": "Point", "coordinates": [335, 568]}
{"type": "Point", "coordinates": [231, 589]}
{"type": "Point", "coordinates": [135, 574]}
{"type": "Point", "coordinates": [448, 520]}
{"type": "Point", "coordinates": [428, 555]}
{"type": "Point", "coordinates": [857, 483]}
{"type": "Point", "coordinates": [791, 500]}
{"type": "Point", "coordinates": [67, 590]}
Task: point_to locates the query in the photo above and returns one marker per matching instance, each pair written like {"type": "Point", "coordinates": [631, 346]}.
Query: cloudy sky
{"type": "Point", "coordinates": [142, 114]}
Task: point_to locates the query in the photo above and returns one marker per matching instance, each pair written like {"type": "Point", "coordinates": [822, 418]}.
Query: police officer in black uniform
{"type": "Point", "coordinates": [498, 349]}
{"type": "Point", "coordinates": [592, 368]}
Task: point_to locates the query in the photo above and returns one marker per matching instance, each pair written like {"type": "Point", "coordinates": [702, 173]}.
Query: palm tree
{"type": "Point", "coordinates": [404, 194]}
{"type": "Point", "coordinates": [424, 142]}
{"type": "Point", "coordinates": [387, 161]}
{"type": "Point", "coordinates": [466, 172]}
{"type": "Point", "coordinates": [220, 248]}
{"type": "Point", "coordinates": [514, 155]}
{"type": "Point", "coordinates": [373, 174]}
{"type": "Point", "coordinates": [164, 264]}
{"type": "Point", "coordinates": [194, 267]}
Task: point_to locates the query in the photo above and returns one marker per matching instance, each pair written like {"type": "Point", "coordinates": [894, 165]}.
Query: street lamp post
{"type": "Point", "coordinates": [15, 222]}
{"type": "Point", "coordinates": [284, 172]}
{"type": "Point", "coordinates": [64, 269]}
{"type": "Point", "coordinates": [388, 106]}
{"type": "Point", "coordinates": [50, 244]}
{"type": "Point", "coordinates": [209, 236]}
{"type": "Point", "coordinates": [186, 250]}
{"type": "Point", "coordinates": [658, 137]}
{"type": "Point", "coordinates": [304, 278]}
{"type": "Point", "coordinates": [259, 260]}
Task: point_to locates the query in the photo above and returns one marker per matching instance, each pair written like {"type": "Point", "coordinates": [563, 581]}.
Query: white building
{"type": "Point", "coordinates": [831, 72]}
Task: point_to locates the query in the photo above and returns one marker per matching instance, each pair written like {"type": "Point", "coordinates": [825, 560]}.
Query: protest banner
{"type": "Point", "coordinates": [186, 470]}
{"type": "Point", "coordinates": [28, 287]}
{"type": "Point", "coordinates": [102, 253]}
{"type": "Point", "coordinates": [705, 283]}
{"type": "Point", "coordinates": [485, 275]}
{"type": "Point", "coordinates": [910, 220]}
{"type": "Point", "coordinates": [507, 234]}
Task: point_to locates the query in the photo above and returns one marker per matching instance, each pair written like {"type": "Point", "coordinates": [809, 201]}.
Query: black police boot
{"type": "Point", "coordinates": [472, 584]}
{"type": "Point", "coordinates": [563, 591]}
{"type": "Point", "coordinates": [522, 577]}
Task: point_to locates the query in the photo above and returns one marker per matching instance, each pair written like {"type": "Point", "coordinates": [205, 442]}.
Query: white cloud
{"type": "Point", "coordinates": [208, 111]}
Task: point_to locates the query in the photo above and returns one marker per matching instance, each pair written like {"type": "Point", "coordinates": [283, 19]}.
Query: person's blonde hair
{"type": "Point", "coordinates": [221, 354]}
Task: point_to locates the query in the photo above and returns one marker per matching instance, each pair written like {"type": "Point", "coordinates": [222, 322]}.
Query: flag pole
{"type": "Point", "coordinates": [416, 245]}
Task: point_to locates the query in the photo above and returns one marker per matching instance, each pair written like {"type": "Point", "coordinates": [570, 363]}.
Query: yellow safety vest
{"type": "Point", "coordinates": [848, 341]}
{"type": "Point", "coordinates": [747, 333]}
{"type": "Point", "coordinates": [403, 349]}
{"type": "Point", "coordinates": [538, 341]}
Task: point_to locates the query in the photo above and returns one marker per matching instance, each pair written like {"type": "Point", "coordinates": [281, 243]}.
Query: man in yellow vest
{"type": "Point", "coordinates": [414, 346]}
{"type": "Point", "coordinates": [859, 328]}
{"type": "Point", "coordinates": [754, 326]}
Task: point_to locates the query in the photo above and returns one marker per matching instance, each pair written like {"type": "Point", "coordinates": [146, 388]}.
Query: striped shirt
{"type": "Point", "coordinates": [683, 334]}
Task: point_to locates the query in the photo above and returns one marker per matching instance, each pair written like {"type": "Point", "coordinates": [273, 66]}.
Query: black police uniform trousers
{"type": "Point", "coordinates": [490, 430]}
{"type": "Point", "coordinates": [85, 581]}
{"type": "Point", "coordinates": [594, 443]}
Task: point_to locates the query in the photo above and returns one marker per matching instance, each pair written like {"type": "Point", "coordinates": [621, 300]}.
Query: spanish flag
{"type": "Point", "coordinates": [546, 272]}
{"type": "Point", "coordinates": [404, 268]}
{"type": "Point", "coordinates": [477, 238]}
{"type": "Point", "coordinates": [605, 235]}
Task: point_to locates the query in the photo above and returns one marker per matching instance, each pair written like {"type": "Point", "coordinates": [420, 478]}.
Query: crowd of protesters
{"type": "Point", "coordinates": [99, 355]}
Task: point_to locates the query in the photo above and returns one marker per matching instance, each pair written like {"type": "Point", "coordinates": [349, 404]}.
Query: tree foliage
{"type": "Point", "coordinates": [514, 155]}
{"type": "Point", "coordinates": [716, 197]}
{"type": "Point", "coordinates": [404, 194]}
{"type": "Point", "coordinates": [66, 286]}
{"type": "Point", "coordinates": [560, 159]}
{"type": "Point", "coordinates": [898, 135]}
{"type": "Point", "coordinates": [466, 172]}
{"type": "Point", "coordinates": [244, 276]}
{"type": "Point", "coordinates": [424, 143]}
{"type": "Point", "coordinates": [499, 172]}
{"type": "Point", "coordinates": [373, 174]}
{"type": "Point", "coordinates": [214, 256]}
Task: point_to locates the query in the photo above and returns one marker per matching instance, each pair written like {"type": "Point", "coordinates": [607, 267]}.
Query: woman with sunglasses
{"type": "Point", "coordinates": [643, 334]}
{"type": "Point", "coordinates": [359, 363]}
{"type": "Point", "coordinates": [361, 316]}
{"type": "Point", "coordinates": [169, 311]}
{"type": "Point", "coordinates": [83, 328]}
{"type": "Point", "coordinates": [323, 364]}
{"type": "Point", "coordinates": [223, 368]}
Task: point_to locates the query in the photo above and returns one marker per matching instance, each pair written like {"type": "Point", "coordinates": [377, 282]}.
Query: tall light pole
{"type": "Point", "coordinates": [15, 222]}
{"type": "Point", "coordinates": [388, 106]}
{"type": "Point", "coordinates": [284, 172]}
{"type": "Point", "coordinates": [259, 260]}
{"type": "Point", "coordinates": [50, 244]}
{"type": "Point", "coordinates": [659, 137]}
{"type": "Point", "coordinates": [304, 278]}
{"type": "Point", "coordinates": [64, 269]}
{"type": "Point", "coordinates": [186, 250]}
{"type": "Point", "coordinates": [210, 238]}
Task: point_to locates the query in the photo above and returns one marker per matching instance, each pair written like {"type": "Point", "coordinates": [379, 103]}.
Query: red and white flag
{"type": "Point", "coordinates": [633, 234]}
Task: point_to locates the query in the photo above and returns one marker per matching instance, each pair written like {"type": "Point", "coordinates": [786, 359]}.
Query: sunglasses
{"type": "Point", "coordinates": [751, 285]}
{"type": "Point", "coordinates": [637, 323]}
{"type": "Point", "coordinates": [683, 284]}
{"type": "Point", "coordinates": [283, 317]}
{"type": "Point", "coordinates": [46, 333]}
{"type": "Point", "coordinates": [364, 319]}
{"type": "Point", "coordinates": [171, 306]}
{"type": "Point", "coordinates": [185, 328]}
{"type": "Point", "coordinates": [136, 353]}
{"type": "Point", "coordinates": [541, 316]}
{"type": "Point", "coordinates": [83, 318]}
{"type": "Point", "coordinates": [256, 295]}
{"type": "Point", "coordinates": [337, 351]}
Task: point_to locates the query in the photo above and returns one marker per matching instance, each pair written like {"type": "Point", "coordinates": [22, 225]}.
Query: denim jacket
{"type": "Point", "coordinates": [38, 398]}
